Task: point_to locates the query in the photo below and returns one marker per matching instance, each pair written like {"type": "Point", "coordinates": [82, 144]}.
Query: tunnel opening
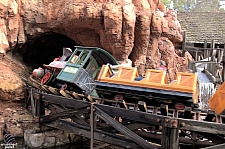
{"type": "Point", "coordinates": [43, 49]}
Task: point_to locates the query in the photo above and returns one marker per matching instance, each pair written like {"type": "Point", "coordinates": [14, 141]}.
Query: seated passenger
{"type": "Point", "coordinates": [127, 63]}
{"type": "Point", "coordinates": [57, 64]}
{"type": "Point", "coordinates": [161, 65]}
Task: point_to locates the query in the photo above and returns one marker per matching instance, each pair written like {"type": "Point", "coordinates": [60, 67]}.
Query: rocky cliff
{"type": "Point", "coordinates": [142, 30]}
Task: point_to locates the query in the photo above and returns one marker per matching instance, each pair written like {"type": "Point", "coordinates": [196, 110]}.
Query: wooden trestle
{"type": "Point", "coordinates": [127, 125]}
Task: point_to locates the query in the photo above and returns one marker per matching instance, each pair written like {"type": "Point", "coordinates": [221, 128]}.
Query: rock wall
{"type": "Point", "coordinates": [142, 30]}
{"type": "Point", "coordinates": [49, 139]}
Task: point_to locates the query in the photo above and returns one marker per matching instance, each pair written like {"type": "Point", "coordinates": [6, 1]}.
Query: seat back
{"type": "Point", "coordinates": [126, 73]}
{"type": "Point", "coordinates": [155, 76]}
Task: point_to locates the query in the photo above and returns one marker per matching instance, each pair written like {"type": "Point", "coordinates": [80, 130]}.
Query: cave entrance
{"type": "Point", "coordinates": [43, 49]}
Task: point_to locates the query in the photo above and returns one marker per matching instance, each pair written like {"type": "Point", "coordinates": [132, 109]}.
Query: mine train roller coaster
{"type": "Point", "coordinates": [88, 74]}
{"type": "Point", "coordinates": [88, 71]}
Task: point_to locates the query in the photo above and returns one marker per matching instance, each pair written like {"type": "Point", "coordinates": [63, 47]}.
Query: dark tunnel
{"type": "Point", "coordinates": [43, 49]}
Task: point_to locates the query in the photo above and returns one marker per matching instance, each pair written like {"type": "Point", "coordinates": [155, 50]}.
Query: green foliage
{"type": "Point", "coordinates": [194, 5]}
{"type": "Point", "coordinates": [207, 6]}
{"type": "Point", "coordinates": [179, 5]}
{"type": "Point", "coordinates": [166, 2]}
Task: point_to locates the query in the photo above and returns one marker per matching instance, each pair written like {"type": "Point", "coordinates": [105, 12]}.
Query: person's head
{"type": "Point", "coordinates": [162, 63]}
{"type": "Point", "coordinates": [128, 61]}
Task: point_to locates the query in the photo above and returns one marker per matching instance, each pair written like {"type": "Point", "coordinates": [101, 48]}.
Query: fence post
{"type": "Point", "coordinates": [184, 44]}
{"type": "Point", "coordinates": [205, 50]}
{"type": "Point", "coordinates": [92, 126]}
{"type": "Point", "coordinates": [170, 139]}
{"type": "Point", "coordinates": [223, 73]}
{"type": "Point", "coordinates": [40, 109]}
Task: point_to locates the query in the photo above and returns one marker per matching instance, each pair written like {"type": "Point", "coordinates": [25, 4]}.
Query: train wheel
{"type": "Point", "coordinates": [46, 78]}
{"type": "Point", "coordinates": [64, 87]}
{"type": "Point", "coordinates": [118, 97]}
{"type": "Point", "coordinates": [179, 106]}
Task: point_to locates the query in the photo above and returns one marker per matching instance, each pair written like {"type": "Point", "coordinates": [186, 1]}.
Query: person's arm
{"type": "Point", "coordinates": [114, 66]}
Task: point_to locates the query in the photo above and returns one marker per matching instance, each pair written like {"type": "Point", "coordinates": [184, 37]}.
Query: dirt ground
{"type": "Point", "coordinates": [13, 75]}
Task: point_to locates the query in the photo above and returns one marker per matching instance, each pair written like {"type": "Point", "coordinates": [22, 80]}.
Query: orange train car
{"type": "Point", "coordinates": [217, 101]}
{"type": "Point", "coordinates": [153, 88]}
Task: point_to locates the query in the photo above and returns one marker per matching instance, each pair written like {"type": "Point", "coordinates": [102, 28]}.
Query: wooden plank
{"type": "Point", "coordinates": [219, 146]}
{"type": "Point", "coordinates": [188, 124]}
{"type": "Point", "coordinates": [40, 109]}
{"type": "Point", "coordinates": [85, 131]}
{"type": "Point", "coordinates": [217, 139]}
{"type": "Point", "coordinates": [124, 130]}
{"type": "Point", "coordinates": [170, 135]}
{"type": "Point", "coordinates": [170, 138]}
{"type": "Point", "coordinates": [33, 107]}
{"type": "Point", "coordinates": [26, 96]}
{"type": "Point", "coordinates": [102, 146]}
{"type": "Point", "coordinates": [92, 126]}
{"type": "Point", "coordinates": [77, 119]}
{"type": "Point", "coordinates": [64, 114]}
{"type": "Point", "coordinates": [69, 102]}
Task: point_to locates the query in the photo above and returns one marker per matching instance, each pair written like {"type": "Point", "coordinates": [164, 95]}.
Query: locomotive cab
{"type": "Point", "coordinates": [83, 67]}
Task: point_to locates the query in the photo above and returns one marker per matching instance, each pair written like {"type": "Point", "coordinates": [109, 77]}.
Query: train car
{"type": "Point", "coordinates": [88, 71]}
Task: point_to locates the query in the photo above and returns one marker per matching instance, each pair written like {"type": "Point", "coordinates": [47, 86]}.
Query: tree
{"type": "Point", "coordinates": [207, 6]}
{"type": "Point", "coordinates": [179, 5]}
{"type": "Point", "coordinates": [166, 2]}
{"type": "Point", "coordinates": [194, 5]}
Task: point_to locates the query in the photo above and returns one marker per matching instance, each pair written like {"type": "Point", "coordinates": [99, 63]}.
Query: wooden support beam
{"type": "Point", "coordinates": [187, 124]}
{"type": "Point", "coordinates": [164, 109]}
{"type": "Point", "coordinates": [210, 115]}
{"type": "Point", "coordinates": [223, 72]}
{"type": "Point", "coordinates": [64, 114]}
{"type": "Point", "coordinates": [205, 50]}
{"type": "Point", "coordinates": [216, 139]}
{"type": "Point", "coordinates": [77, 119]}
{"type": "Point", "coordinates": [170, 139]}
{"type": "Point", "coordinates": [142, 106]}
{"type": "Point", "coordinates": [69, 102]}
{"type": "Point", "coordinates": [26, 96]}
{"type": "Point", "coordinates": [170, 134]}
{"type": "Point", "coordinates": [32, 101]}
{"type": "Point", "coordinates": [187, 112]}
{"type": "Point", "coordinates": [184, 44]}
{"type": "Point", "coordinates": [92, 127]}
{"type": "Point", "coordinates": [125, 131]}
{"type": "Point", "coordinates": [40, 109]}
{"type": "Point", "coordinates": [219, 146]}
{"type": "Point", "coordinates": [102, 146]}
{"type": "Point", "coordinates": [85, 131]}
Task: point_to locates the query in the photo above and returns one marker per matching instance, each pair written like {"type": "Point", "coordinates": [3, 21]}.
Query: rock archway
{"type": "Point", "coordinates": [143, 30]}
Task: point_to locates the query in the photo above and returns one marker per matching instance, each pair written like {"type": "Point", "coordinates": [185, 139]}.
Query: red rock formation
{"type": "Point", "coordinates": [143, 30]}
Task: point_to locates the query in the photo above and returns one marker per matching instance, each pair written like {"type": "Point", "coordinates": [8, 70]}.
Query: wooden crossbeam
{"type": "Point", "coordinates": [125, 131]}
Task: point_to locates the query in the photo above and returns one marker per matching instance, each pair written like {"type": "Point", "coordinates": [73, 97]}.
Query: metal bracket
{"type": "Point", "coordinates": [170, 123]}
